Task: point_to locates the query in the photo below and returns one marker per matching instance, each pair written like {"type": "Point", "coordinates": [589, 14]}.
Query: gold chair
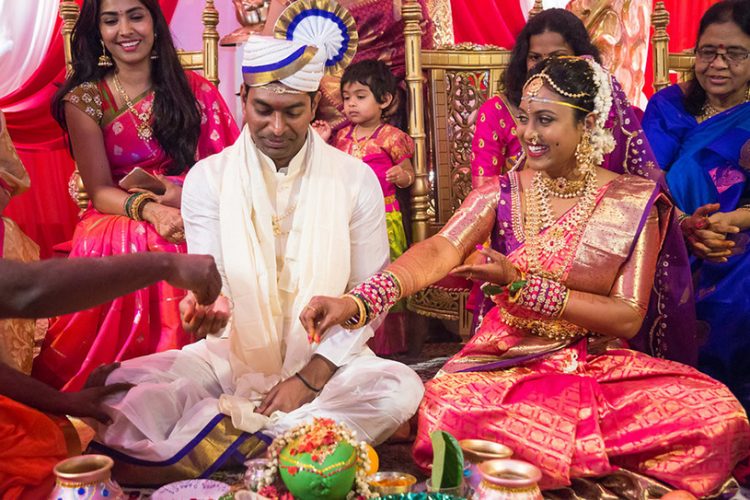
{"type": "Point", "coordinates": [459, 79]}
{"type": "Point", "coordinates": [666, 62]}
{"type": "Point", "coordinates": [206, 60]}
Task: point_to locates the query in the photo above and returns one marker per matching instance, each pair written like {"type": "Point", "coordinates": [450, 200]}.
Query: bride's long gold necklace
{"type": "Point", "coordinates": [539, 217]}
{"type": "Point", "coordinates": [145, 132]}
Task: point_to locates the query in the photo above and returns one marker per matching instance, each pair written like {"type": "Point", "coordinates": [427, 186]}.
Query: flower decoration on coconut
{"type": "Point", "coordinates": [320, 460]}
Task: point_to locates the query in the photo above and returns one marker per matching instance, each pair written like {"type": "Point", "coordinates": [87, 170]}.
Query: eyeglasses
{"type": "Point", "coordinates": [732, 55]}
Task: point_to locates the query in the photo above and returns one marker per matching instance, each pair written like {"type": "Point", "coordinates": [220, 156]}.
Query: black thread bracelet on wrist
{"type": "Point", "coordinates": [307, 384]}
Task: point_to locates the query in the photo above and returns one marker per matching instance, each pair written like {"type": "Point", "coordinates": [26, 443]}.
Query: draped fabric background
{"type": "Point", "coordinates": [45, 212]}
{"type": "Point", "coordinates": [31, 24]}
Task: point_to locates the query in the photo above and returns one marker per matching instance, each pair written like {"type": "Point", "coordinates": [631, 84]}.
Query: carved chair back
{"type": "Point", "coordinates": [666, 62]}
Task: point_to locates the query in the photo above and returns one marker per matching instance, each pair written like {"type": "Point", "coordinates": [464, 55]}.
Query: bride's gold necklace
{"type": "Point", "coordinates": [561, 187]}
{"type": "Point", "coordinates": [539, 217]}
{"type": "Point", "coordinates": [145, 132]}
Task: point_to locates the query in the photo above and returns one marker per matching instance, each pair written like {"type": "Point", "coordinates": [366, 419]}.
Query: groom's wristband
{"type": "Point", "coordinates": [307, 384]}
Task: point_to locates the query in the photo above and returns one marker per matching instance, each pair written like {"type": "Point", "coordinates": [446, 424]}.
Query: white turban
{"type": "Point", "coordinates": [297, 65]}
{"type": "Point", "coordinates": [311, 38]}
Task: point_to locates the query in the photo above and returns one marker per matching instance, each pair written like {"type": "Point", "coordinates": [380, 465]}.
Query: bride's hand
{"type": "Point", "coordinates": [497, 269]}
{"type": "Point", "coordinates": [321, 313]}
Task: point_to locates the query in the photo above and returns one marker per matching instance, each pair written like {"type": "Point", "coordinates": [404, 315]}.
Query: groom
{"type": "Point", "coordinates": [287, 217]}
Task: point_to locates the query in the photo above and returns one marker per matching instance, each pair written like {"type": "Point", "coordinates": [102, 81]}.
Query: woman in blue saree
{"type": "Point", "coordinates": [700, 134]}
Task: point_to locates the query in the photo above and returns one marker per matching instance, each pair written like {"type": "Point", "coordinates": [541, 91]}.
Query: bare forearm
{"type": "Point", "coordinates": [424, 264]}
{"type": "Point", "coordinates": [109, 200]}
{"type": "Point", "coordinates": [741, 218]}
{"type": "Point", "coordinates": [604, 315]}
{"type": "Point", "coordinates": [318, 371]}
{"type": "Point", "coordinates": [60, 286]}
{"type": "Point", "coordinates": [31, 392]}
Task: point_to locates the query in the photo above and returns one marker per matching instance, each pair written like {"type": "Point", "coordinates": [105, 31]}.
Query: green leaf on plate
{"type": "Point", "coordinates": [447, 461]}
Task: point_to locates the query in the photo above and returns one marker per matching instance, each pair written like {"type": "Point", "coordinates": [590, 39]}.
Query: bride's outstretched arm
{"type": "Point", "coordinates": [420, 266]}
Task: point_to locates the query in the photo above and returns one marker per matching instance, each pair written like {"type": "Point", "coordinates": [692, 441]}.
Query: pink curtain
{"type": "Point", "coordinates": [46, 212]}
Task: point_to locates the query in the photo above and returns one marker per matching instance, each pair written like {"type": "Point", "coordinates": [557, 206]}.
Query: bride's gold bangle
{"type": "Point", "coordinates": [359, 320]}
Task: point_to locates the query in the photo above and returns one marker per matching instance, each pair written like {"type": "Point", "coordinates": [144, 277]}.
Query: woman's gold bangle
{"type": "Point", "coordinates": [565, 303]}
{"type": "Point", "coordinates": [351, 324]}
{"type": "Point", "coordinates": [411, 176]}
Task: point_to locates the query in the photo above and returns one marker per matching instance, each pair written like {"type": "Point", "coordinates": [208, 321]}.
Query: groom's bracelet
{"type": "Point", "coordinates": [307, 384]}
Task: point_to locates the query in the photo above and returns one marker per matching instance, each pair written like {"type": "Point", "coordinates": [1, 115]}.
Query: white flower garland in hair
{"type": "Point", "coordinates": [602, 141]}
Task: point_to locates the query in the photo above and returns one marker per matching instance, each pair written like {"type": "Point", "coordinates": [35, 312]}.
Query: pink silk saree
{"type": "Point", "coordinates": [588, 406]}
{"type": "Point", "coordinates": [147, 320]}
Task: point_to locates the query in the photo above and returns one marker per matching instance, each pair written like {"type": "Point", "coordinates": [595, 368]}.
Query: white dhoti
{"type": "Point", "coordinates": [176, 397]}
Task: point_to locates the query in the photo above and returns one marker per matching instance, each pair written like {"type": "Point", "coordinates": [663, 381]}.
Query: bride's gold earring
{"type": "Point", "coordinates": [584, 162]}
{"type": "Point", "coordinates": [104, 60]}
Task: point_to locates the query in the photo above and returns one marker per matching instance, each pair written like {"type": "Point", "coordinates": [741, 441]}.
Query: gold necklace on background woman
{"type": "Point", "coordinates": [707, 111]}
{"type": "Point", "coordinates": [143, 126]}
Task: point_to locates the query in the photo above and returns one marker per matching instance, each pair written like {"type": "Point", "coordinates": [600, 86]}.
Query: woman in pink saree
{"type": "Point", "coordinates": [122, 49]}
{"type": "Point", "coordinates": [571, 271]}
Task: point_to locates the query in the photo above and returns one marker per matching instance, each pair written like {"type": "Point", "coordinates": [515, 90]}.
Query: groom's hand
{"type": "Point", "coordinates": [286, 396]}
{"type": "Point", "coordinates": [292, 393]}
{"type": "Point", "coordinates": [204, 320]}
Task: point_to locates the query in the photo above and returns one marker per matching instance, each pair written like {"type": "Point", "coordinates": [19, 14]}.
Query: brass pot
{"type": "Point", "coordinates": [86, 476]}
{"type": "Point", "coordinates": [479, 450]}
{"type": "Point", "coordinates": [507, 479]}
{"type": "Point", "coordinates": [389, 483]}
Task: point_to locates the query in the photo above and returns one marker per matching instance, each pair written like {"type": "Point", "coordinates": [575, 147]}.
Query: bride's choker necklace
{"type": "Point", "coordinates": [561, 187]}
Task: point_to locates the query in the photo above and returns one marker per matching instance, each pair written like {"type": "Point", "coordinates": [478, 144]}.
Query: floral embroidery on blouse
{"type": "Point", "coordinates": [88, 99]}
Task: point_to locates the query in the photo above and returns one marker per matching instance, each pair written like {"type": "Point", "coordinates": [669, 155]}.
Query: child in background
{"type": "Point", "coordinates": [368, 89]}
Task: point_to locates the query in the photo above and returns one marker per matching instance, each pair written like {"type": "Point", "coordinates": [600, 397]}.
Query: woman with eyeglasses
{"type": "Point", "coordinates": [700, 133]}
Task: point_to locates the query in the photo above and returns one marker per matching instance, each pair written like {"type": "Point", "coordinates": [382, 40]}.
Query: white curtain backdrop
{"type": "Point", "coordinates": [26, 28]}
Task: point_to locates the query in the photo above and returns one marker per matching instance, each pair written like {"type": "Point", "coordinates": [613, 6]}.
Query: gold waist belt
{"type": "Point", "coordinates": [553, 329]}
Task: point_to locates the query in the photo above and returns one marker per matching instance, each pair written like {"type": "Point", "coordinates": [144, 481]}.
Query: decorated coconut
{"type": "Point", "coordinates": [320, 460]}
